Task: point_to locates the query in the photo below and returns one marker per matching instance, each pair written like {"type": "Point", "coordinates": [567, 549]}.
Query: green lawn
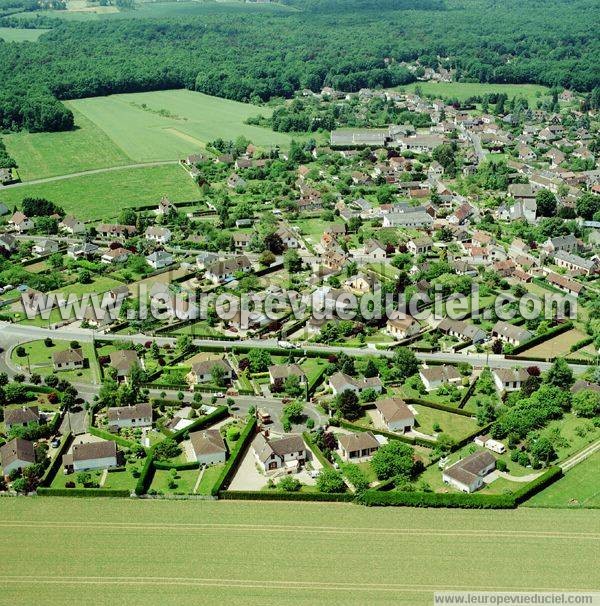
{"type": "Point", "coordinates": [99, 284]}
{"type": "Point", "coordinates": [453, 425]}
{"type": "Point", "coordinates": [138, 552]}
{"type": "Point", "coordinates": [40, 359]}
{"type": "Point", "coordinates": [17, 34]}
{"type": "Point", "coordinates": [211, 475]}
{"type": "Point", "coordinates": [166, 125]}
{"type": "Point", "coordinates": [464, 90]}
{"type": "Point", "coordinates": [84, 148]}
{"type": "Point", "coordinates": [103, 195]}
{"type": "Point", "coordinates": [184, 480]}
{"type": "Point", "coordinates": [580, 487]}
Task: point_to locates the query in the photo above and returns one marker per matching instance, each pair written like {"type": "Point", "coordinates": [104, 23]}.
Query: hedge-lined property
{"type": "Point", "coordinates": [81, 492]}
{"type": "Point", "coordinates": [234, 457]}
{"type": "Point", "coordinates": [273, 495]}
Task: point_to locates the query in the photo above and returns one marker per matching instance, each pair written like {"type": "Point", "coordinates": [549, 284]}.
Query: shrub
{"type": "Point", "coordinates": [330, 481]}
{"type": "Point", "coordinates": [289, 484]}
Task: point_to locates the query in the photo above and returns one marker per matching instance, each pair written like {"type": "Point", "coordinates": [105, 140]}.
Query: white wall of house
{"type": "Point", "coordinates": [103, 463]}
{"type": "Point", "coordinates": [211, 459]}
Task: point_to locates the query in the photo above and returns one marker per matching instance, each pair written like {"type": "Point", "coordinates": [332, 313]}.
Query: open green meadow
{"type": "Point", "coordinates": [464, 90]}
{"type": "Point", "coordinates": [580, 487]}
{"type": "Point", "coordinates": [41, 155]}
{"type": "Point", "coordinates": [115, 551]}
{"type": "Point", "coordinates": [17, 34]}
{"type": "Point", "coordinates": [103, 195]}
{"type": "Point", "coordinates": [166, 125]}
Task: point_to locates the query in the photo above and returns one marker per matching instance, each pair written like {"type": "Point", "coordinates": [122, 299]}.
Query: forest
{"type": "Point", "coordinates": [255, 57]}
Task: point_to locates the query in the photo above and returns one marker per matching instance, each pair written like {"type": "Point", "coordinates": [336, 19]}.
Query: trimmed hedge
{"type": "Point", "coordinates": [106, 435]}
{"type": "Point", "coordinates": [316, 450]}
{"type": "Point", "coordinates": [146, 474]}
{"type": "Point", "coordinates": [393, 498]}
{"type": "Point", "coordinates": [232, 463]}
{"type": "Point", "coordinates": [387, 434]}
{"type": "Point", "coordinates": [553, 332]}
{"type": "Point", "coordinates": [548, 477]}
{"type": "Point", "coordinates": [273, 495]}
{"type": "Point", "coordinates": [216, 415]}
{"type": "Point", "coordinates": [452, 409]}
{"type": "Point", "coordinates": [177, 466]}
{"type": "Point", "coordinates": [56, 462]}
{"type": "Point", "coordinates": [82, 492]}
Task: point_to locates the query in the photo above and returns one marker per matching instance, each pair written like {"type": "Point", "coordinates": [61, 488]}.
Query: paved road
{"type": "Point", "coordinates": [83, 173]}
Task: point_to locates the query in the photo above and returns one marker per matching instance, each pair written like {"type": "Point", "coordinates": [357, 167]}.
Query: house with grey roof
{"type": "Point", "coordinates": [467, 475]}
{"type": "Point", "coordinates": [509, 333]}
{"type": "Point", "coordinates": [208, 447]}
{"type": "Point", "coordinates": [272, 454]}
{"type": "Point", "coordinates": [16, 454]}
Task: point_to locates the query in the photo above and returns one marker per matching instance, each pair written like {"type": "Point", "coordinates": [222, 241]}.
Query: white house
{"type": "Point", "coordinates": [45, 247]}
{"type": "Point", "coordinates": [160, 259]}
{"type": "Point", "coordinates": [402, 328]}
{"type": "Point", "coordinates": [509, 379]}
{"type": "Point", "coordinates": [115, 255]}
{"type": "Point", "coordinates": [202, 372]}
{"type": "Point", "coordinates": [289, 452]}
{"type": "Point", "coordinates": [435, 376]}
{"type": "Point", "coordinates": [208, 446]}
{"type": "Point", "coordinates": [224, 270]}
{"type": "Point", "coordinates": [394, 414]}
{"type": "Point", "coordinates": [72, 225]}
{"type": "Point", "coordinates": [467, 475]}
{"type": "Point", "coordinates": [161, 235]}
{"type": "Point", "coordinates": [68, 359]}
{"type": "Point", "coordinates": [16, 454]}
{"type": "Point", "coordinates": [509, 333]}
{"type": "Point", "coordinates": [373, 249]}
{"type": "Point", "coordinates": [20, 222]}
{"type": "Point", "coordinates": [418, 246]}
{"type": "Point", "coordinates": [360, 446]}
{"type": "Point", "coordinates": [92, 455]}
{"type": "Point", "coordinates": [340, 382]}
{"type": "Point", "coordinates": [139, 415]}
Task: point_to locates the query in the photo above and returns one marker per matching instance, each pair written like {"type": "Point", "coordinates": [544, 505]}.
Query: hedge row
{"type": "Point", "coordinates": [316, 450]}
{"type": "Point", "coordinates": [581, 344]}
{"type": "Point", "coordinates": [209, 419]}
{"type": "Point", "coordinates": [231, 465]}
{"type": "Point", "coordinates": [146, 474]}
{"type": "Point", "coordinates": [548, 477]}
{"type": "Point", "coordinates": [107, 435]}
{"type": "Point", "coordinates": [553, 332]}
{"type": "Point", "coordinates": [56, 462]}
{"type": "Point", "coordinates": [437, 406]}
{"type": "Point", "coordinates": [177, 466]}
{"type": "Point", "coordinates": [81, 492]}
{"type": "Point", "coordinates": [393, 498]}
{"type": "Point", "coordinates": [273, 495]}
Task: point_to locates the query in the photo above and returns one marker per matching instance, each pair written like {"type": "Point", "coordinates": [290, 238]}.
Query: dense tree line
{"type": "Point", "coordinates": [252, 57]}
{"type": "Point", "coordinates": [6, 160]}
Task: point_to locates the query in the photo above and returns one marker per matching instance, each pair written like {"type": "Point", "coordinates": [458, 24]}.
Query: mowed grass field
{"type": "Point", "coordinates": [17, 34]}
{"type": "Point", "coordinates": [106, 551]}
{"type": "Point", "coordinates": [580, 487]}
{"type": "Point", "coordinates": [167, 125]}
{"type": "Point", "coordinates": [464, 90]}
{"type": "Point", "coordinates": [103, 195]}
{"type": "Point", "coordinates": [42, 155]}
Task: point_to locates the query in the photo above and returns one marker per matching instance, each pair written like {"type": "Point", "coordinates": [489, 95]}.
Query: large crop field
{"type": "Point", "coordinates": [580, 487]}
{"type": "Point", "coordinates": [167, 125]}
{"type": "Point", "coordinates": [464, 90]}
{"type": "Point", "coordinates": [106, 551]}
{"type": "Point", "coordinates": [103, 195]}
{"type": "Point", "coordinates": [42, 155]}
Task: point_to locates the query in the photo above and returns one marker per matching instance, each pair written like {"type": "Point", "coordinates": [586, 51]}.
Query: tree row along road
{"type": "Point", "coordinates": [8, 330]}
{"type": "Point", "coordinates": [93, 171]}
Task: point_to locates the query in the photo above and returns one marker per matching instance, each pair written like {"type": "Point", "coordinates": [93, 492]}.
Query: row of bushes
{"type": "Point", "coordinates": [316, 450]}
{"type": "Point", "coordinates": [209, 419]}
{"type": "Point", "coordinates": [553, 332]}
{"type": "Point", "coordinates": [372, 498]}
{"type": "Point", "coordinates": [177, 466]}
{"type": "Point", "coordinates": [232, 463]}
{"type": "Point", "coordinates": [107, 435]}
{"type": "Point", "coordinates": [582, 343]}
{"type": "Point", "coordinates": [273, 495]}
{"type": "Point", "coordinates": [146, 474]}
{"type": "Point", "coordinates": [56, 462]}
{"type": "Point", "coordinates": [82, 492]}
{"type": "Point", "coordinates": [528, 490]}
